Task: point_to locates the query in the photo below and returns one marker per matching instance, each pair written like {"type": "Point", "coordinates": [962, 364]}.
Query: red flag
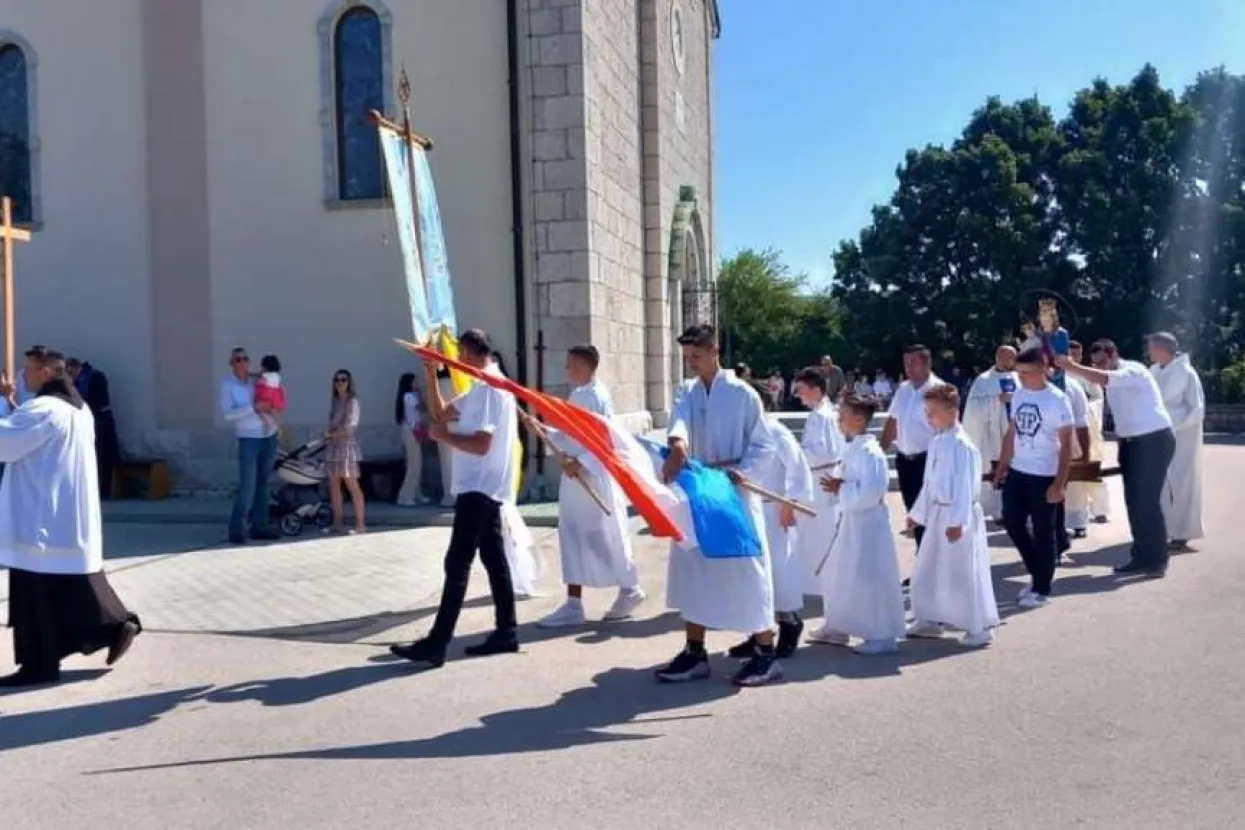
{"type": "Point", "coordinates": [592, 433]}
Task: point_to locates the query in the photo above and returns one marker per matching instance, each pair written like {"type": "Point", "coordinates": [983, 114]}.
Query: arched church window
{"type": "Point", "coordinates": [359, 88]}
{"type": "Point", "coordinates": [15, 149]}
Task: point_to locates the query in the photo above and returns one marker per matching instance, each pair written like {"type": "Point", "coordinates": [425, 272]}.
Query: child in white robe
{"type": "Point", "coordinates": [951, 583]}
{"type": "Point", "coordinates": [595, 546]}
{"type": "Point", "coordinates": [862, 594]}
{"type": "Point", "coordinates": [822, 444]}
{"type": "Point", "coordinates": [788, 475]}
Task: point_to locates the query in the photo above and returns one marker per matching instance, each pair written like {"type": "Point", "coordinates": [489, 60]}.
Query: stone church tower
{"type": "Point", "coordinates": [619, 104]}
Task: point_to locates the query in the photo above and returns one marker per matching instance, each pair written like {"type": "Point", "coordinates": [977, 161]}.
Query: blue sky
{"type": "Point", "coordinates": [817, 100]}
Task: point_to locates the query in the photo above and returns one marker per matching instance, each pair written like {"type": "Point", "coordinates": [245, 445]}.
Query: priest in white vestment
{"type": "Point", "coordinates": [718, 420]}
{"type": "Point", "coordinates": [823, 446]}
{"type": "Point", "coordinates": [862, 595]}
{"type": "Point", "coordinates": [1097, 495]}
{"type": "Point", "coordinates": [986, 417]}
{"type": "Point", "coordinates": [595, 546]}
{"type": "Point", "coordinates": [1182, 395]}
{"type": "Point", "coordinates": [51, 538]}
{"type": "Point", "coordinates": [787, 474]}
{"type": "Point", "coordinates": [951, 582]}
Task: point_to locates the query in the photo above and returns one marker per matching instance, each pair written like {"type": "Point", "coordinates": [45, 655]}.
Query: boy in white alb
{"type": "Point", "coordinates": [596, 547]}
{"type": "Point", "coordinates": [862, 595]}
{"type": "Point", "coordinates": [787, 474]}
{"type": "Point", "coordinates": [822, 444]}
{"type": "Point", "coordinates": [951, 583]}
{"type": "Point", "coordinates": [1033, 470]}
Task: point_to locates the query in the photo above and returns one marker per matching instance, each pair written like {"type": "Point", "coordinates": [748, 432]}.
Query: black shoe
{"type": "Point", "coordinates": [125, 638]}
{"type": "Point", "coordinates": [1079, 534]}
{"type": "Point", "coordinates": [496, 643]}
{"type": "Point", "coordinates": [688, 665]}
{"type": "Point", "coordinates": [1101, 520]}
{"type": "Point", "coordinates": [763, 668]}
{"type": "Point", "coordinates": [1132, 566]}
{"type": "Point", "coordinates": [1179, 546]}
{"type": "Point", "coordinates": [265, 534]}
{"type": "Point", "coordinates": [789, 637]}
{"type": "Point", "coordinates": [237, 540]}
{"type": "Point", "coordinates": [906, 584]}
{"type": "Point", "coordinates": [1155, 573]}
{"type": "Point", "coordinates": [23, 677]}
{"type": "Point", "coordinates": [744, 650]}
{"type": "Point", "coordinates": [421, 651]}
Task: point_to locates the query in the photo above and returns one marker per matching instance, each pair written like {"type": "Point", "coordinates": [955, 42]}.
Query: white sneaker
{"type": "Point", "coordinates": [1024, 592]}
{"type": "Point", "coordinates": [1033, 600]}
{"type": "Point", "coordinates": [977, 639]}
{"type": "Point", "coordinates": [827, 637]}
{"type": "Point", "coordinates": [624, 606]}
{"type": "Point", "coordinates": [571, 613]}
{"type": "Point", "coordinates": [925, 630]}
{"type": "Point", "coordinates": [873, 647]}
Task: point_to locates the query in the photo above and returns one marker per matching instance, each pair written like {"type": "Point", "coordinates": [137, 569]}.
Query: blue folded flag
{"type": "Point", "coordinates": [723, 528]}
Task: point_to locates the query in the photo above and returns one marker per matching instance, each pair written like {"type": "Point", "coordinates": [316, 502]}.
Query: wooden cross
{"type": "Point", "coordinates": [11, 235]}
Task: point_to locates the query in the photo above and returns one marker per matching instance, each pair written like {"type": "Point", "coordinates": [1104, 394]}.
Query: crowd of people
{"type": "Point", "coordinates": [1032, 422]}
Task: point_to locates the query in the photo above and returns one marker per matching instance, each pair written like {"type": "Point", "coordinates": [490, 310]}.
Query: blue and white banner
{"type": "Point", "coordinates": [397, 152]}
{"type": "Point", "coordinates": [436, 264]}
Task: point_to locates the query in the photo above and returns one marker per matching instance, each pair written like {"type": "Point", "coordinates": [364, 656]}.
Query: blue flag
{"type": "Point", "coordinates": [723, 528]}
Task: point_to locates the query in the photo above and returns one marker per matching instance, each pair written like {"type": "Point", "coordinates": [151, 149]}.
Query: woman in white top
{"type": "Point", "coordinates": [413, 430]}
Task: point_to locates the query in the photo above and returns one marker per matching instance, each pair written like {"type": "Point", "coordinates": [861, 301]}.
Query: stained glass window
{"type": "Point", "coordinates": [360, 88]}
{"type": "Point", "coordinates": [15, 131]}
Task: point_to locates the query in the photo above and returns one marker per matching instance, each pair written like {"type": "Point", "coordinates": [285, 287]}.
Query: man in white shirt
{"type": "Point", "coordinates": [482, 439]}
{"type": "Point", "coordinates": [1033, 471]}
{"type": "Point", "coordinates": [1186, 404]}
{"type": "Point", "coordinates": [909, 429]}
{"type": "Point", "coordinates": [257, 449]}
{"type": "Point", "coordinates": [1146, 446]}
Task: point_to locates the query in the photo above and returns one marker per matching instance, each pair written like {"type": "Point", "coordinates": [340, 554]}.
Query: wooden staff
{"type": "Point", "coordinates": [820, 467]}
{"type": "Point", "coordinates": [11, 235]}
{"type": "Point", "coordinates": [539, 429]}
{"type": "Point", "coordinates": [769, 495]}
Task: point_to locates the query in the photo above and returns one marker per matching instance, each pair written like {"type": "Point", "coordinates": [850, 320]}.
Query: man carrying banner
{"type": "Point", "coordinates": [482, 440]}
{"type": "Point", "coordinates": [719, 421]}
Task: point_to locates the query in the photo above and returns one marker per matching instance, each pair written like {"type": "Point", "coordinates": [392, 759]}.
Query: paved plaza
{"type": "Point", "coordinates": [262, 696]}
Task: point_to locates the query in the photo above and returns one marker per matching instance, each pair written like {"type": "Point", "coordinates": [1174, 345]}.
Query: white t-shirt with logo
{"type": "Point", "coordinates": [1037, 417]}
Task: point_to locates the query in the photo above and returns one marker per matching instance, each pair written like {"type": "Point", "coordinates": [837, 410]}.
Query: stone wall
{"type": "Point", "coordinates": [1225, 418]}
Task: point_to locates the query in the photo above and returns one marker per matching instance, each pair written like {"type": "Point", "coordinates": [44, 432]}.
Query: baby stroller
{"type": "Point", "coordinates": [298, 499]}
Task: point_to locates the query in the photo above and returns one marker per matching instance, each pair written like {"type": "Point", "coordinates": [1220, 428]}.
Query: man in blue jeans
{"type": "Point", "coordinates": [257, 447]}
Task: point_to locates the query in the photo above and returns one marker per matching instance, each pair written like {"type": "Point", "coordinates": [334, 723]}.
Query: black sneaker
{"type": "Point", "coordinates": [744, 650]}
{"type": "Point", "coordinates": [760, 670]}
{"type": "Point", "coordinates": [122, 642]}
{"type": "Point", "coordinates": [688, 665]}
{"type": "Point", "coordinates": [498, 642]}
{"type": "Point", "coordinates": [789, 637]}
{"type": "Point", "coordinates": [421, 651]}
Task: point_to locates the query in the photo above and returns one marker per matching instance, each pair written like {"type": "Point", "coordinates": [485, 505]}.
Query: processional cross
{"type": "Point", "coordinates": [11, 235]}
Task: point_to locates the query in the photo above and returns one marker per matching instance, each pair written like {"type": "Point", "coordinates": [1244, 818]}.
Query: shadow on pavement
{"type": "Point", "coordinates": [296, 691]}
{"type": "Point", "coordinates": [91, 719]}
{"type": "Point", "coordinates": [1069, 579]}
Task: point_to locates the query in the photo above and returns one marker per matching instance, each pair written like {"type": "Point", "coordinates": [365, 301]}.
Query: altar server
{"type": "Point", "coordinates": [596, 547]}
{"type": "Point", "coordinates": [60, 601]}
{"type": "Point", "coordinates": [951, 583]}
{"type": "Point", "coordinates": [718, 420]}
{"type": "Point", "coordinates": [1182, 395]}
{"type": "Point", "coordinates": [823, 445]}
{"type": "Point", "coordinates": [862, 597]}
{"type": "Point", "coordinates": [985, 419]}
{"type": "Point", "coordinates": [787, 473]}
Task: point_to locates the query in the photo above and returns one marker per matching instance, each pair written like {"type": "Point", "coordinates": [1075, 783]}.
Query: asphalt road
{"type": "Point", "coordinates": [263, 697]}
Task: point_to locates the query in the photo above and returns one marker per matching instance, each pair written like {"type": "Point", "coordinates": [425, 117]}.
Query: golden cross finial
{"type": "Point", "coordinates": [404, 87]}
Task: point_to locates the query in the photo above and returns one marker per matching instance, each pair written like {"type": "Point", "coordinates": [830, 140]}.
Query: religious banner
{"type": "Point", "coordinates": [397, 154]}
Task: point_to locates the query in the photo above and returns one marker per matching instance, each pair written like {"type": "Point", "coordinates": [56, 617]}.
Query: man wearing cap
{"type": "Point", "coordinates": [1146, 445]}
{"type": "Point", "coordinates": [1182, 395]}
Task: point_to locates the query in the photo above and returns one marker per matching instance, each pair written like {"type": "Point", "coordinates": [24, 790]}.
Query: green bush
{"type": "Point", "coordinates": [1232, 383]}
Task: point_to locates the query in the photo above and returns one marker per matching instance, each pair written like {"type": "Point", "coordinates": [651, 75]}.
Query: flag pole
{"type": "Point", "coordinates": [542, 435]}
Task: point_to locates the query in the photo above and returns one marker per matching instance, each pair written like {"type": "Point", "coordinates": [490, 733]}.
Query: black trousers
{"type": "Point", "coordinates": [1143, 464]}
{"type": "Point", "coordinates": [911, 472]}
{"type": "Point", "coordinates": [477, 526]}
{"type": "Point", "coordinates": [1030, 521]}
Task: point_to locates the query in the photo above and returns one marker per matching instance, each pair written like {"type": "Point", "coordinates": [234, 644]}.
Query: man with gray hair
{"type": "Point", "coordinates": [1182, 395]}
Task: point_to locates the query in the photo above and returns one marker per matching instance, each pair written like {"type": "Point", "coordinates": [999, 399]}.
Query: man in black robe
{"type": "Point", "coordinates": [60, 601]}
{"type": "Point", "coordinates": [92, 385]}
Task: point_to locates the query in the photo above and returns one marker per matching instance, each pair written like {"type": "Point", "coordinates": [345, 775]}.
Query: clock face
{"type": "Point", "coordinates": [677, 35]}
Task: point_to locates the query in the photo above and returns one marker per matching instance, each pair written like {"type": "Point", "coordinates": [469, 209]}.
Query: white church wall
{"type": "Point", "coordinates": [82, 282]}
{"type": "Point", "coordinates": [315, 283]}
